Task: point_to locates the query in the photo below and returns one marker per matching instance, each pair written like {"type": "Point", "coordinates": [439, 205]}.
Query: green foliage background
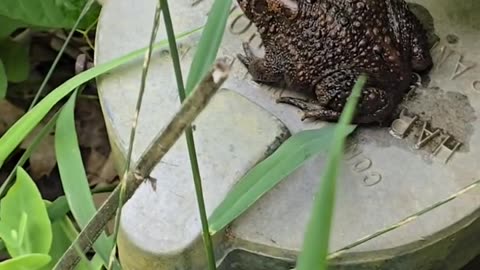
{"type": "Point", "coordinates": [35, 15]}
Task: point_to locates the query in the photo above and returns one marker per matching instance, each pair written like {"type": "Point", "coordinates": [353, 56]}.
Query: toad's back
{"type": "Point", "coordinates": [371, 35]}
{"type": "Point", "coordinates": [322, 46]}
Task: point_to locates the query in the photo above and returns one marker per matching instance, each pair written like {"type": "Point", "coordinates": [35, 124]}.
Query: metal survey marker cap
{"type": "Point", "coordinates": [428, 158]}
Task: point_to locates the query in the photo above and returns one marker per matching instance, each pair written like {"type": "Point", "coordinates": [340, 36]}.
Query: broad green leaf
{"type": "Point", "coordinates": [56, 210]}
{"type": "Point", "coordinates": [317, 236]}
{"type": "Point", "coordinates": [31, 261]}
{"type": "Point", "coordinates": [47, 13]}
{"type": "Point", "coordinates": [24, 202]}
{"type": "Point", "coordinates": [73, 176]}
{"type": "Point", "coordinates": [20, 130]}
{"type": "Point", "coordinates": [209, 43]}
{"type": "Point", "coordinates": [292, 154]}
{"type": "Point", "coordinates": [3, 81]}
{"type": "Point", "coordinates": [8, 26]}
{"type": "Point", "coordinates": [15, 58]}
{"type": "Point", "coordinates": [8, 235]}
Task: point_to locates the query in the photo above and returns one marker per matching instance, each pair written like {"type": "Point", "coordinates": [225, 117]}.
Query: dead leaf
{"type": "Point", "coordinates": [42, 160]}
{"type": "Point", "coordinates": [90, 126]}
{"type": "Point", "coordinates": [9, 114]}
{"type": "Point", "coordinates": [100, 169]}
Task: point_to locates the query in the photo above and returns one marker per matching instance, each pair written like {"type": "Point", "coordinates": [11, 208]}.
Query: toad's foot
{"type": "Point", "coordinates": [249, 57]}
{"type": "Point", "coordinates": [310, 109]}
{"type": "Point", "coordinates": [261, 69]}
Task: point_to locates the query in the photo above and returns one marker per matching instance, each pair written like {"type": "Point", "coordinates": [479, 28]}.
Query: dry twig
{"type": "Point", "coordinates": [190, 109]}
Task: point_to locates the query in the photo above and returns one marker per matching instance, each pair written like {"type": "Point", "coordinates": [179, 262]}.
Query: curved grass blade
{"type": "Point", "coordinates": [84, 11]}
{"type": "Point", "coordinates": [26, 155]}
{"type": "Point", "coordinates": [317, 236]}
{"type": "Point", "coordinates": [209, 43]}
{"type": "Point", "coordinates": [292, 154]}
{"type": "Point", "coordinates": [73, 176]}
{"type": "Point", "coordinates": [15, 134]}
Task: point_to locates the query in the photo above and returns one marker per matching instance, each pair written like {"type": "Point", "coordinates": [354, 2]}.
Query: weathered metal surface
{"type": "Point", "coordinates": [388, 174]}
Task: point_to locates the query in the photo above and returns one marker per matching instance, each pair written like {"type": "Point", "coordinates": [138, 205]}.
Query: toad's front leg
{"type": "Point", "coordinates": [263, 70]}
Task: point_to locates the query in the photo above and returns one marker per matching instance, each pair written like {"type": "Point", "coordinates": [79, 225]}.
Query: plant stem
{"type": "Point", "coordinates": [85, 9]}
{"type": "Point", "coordinates": [207, 240]}
{"type": "Point", "coordinates": [123, 184]}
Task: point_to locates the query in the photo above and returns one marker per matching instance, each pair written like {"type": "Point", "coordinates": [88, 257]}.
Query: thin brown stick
{"type": "Point", "coordinates": [188, 112]}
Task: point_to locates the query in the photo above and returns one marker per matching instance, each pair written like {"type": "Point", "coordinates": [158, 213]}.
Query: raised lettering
{"type": "Point", "coordinates": [402, 125]}
{"type": "Point", "coordinates": [252, 38]}
{"type": "Point", "coordinates": [352, 151]}
{"type": "Point", "coordinates": [196, 2]}
{"type": "Point", "coordinates": [461, 68]}
{"type": "Point", "coordinates": [362, 165]}
{"type": "Point", "coordinates": [418, 81]}
{"type": "Point", "coordinates": [435, 45]}
{"type": "Point", "coordinates": [425, 136]}
{"type": "Point", "coordinates": [445, 53]}
{"type": "Point", "coordinates": [476, 85]}
{"type": "Point", "coordinates": [372, 179]}
{"type": "Point", "coordinates": [242, 30]}
{"type": "Point", "coordinates": [445, 151]}
{"type": "Point", "coordinates": [232, 9]}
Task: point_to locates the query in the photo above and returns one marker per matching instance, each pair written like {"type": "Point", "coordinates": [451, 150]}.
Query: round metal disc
{"type": "Point", "coordinates": [413, 179]}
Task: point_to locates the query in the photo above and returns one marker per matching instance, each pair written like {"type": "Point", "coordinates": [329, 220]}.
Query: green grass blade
{"type": "Point", "coordinates": [28, 152]}
{"type": "Point", "coordinates": [317, 236]}
{"type": "Point", "coordinates": [203, 59]}
{"type": "Point", "coordinates": [84, 11]}
{"type": "Point", "coordinates": [15, 135]}
{"type": "Point", "coordinates": [265, 175]}
{"type": "Point", "coordinates": [209, 43]}
{"type": "Point", "coordinates": [73, 176]}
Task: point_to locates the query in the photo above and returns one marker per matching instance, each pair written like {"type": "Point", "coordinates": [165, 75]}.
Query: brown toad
{"type": "Point", "coordinates": [320, 47]}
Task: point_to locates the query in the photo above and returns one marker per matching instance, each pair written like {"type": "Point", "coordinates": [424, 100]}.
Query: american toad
{"type": "Point", "coordinates": [320, 47]}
